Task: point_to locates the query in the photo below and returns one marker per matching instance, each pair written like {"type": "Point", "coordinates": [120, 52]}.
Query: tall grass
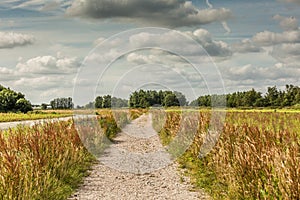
{"type": "Point", "coordinates": [49, 161]}
{"type": "Point", "coordinates": [256, 157]}
{"type": "Point", "coordinates": [136, 113]}
{"type": "Point", "coordinates": [41, 162]}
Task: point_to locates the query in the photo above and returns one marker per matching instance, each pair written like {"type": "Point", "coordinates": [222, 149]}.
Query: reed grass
{"type": "Point", "coordinates": [256, 157]}
{"type": "Point", "coordinates": [49, 161]}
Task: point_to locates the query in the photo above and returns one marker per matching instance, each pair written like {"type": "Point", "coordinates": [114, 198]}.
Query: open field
{"type": "Point", "coordinates": [48, 114]}
{"type": "Point", "coordinates": [256, 157]}
{"type": "Point", "coordinates": [257, 110]}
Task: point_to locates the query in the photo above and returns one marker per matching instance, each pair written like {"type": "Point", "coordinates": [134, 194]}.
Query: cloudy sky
{"type": "Point", "coordinates": [85, 48]}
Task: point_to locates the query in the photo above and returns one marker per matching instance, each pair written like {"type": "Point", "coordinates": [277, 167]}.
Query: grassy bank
{"type": "Point", "coordinates": [256, 157]}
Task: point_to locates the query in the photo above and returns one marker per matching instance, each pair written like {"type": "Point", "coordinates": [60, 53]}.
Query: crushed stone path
{"type": "Point", "coordinates": [136, 166]}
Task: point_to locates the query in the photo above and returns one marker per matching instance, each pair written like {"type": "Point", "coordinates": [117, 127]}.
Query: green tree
{"type": "Point", "coordinates": [62, 103]}
{"type": "Point", "coordinates": [272, 96]}
{"type": "Point", "coordinates": [171, 100]}
{"type": "Point", "coordinates": [44, 106]}
{"type": "Point", "coordinates": [23, 105]}
{"type": "Point", "coordinates": [9, 99]}
{"type": "Point", "coordinates": [180, 98]}
{"type": "Point", "coordinates": [98, 102]}
{"type": "Point", "coordinates": [90, 105]}
{"type": "Point", "coordinates": [106, 101]}
{"type": "Point", "coordinates": [118, 102]}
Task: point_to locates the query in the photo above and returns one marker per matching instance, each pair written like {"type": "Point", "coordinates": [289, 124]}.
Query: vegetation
{"type": "Point", "coordinates": [11, 101]}
{"type": "Point", "coordinates": [140, 99]}
{"type": "Point", "coordinates": [145, 99]}
{"type": "Point", "coordinates": [107, 102]}
{"type": "Point", "coordinates": [32, 115]}
{"type": "Point", "coordinates": [62, 103]}
{"type": "Point", "coordinates": [256, 157]}
{"type": "Point", "coordinates": [41, 162]}
{"type": "Point", "coordinates": [49, 161]}
{"type": "Point", "coordinates": [273, 98]}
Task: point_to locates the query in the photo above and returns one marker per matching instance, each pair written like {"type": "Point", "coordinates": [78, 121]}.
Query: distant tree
{"type": "Point", "coordinates": [218, 100]}
{"type": "Point", "coordinates": [272, 97]}
{"type": "Point", "coordinates": [106, 101]}
{"type": "Point", "coordinates": [62, 103]}
{"type": "Point", "coordinates": [291, 96]}
{"type": "Point", "coordinates": [145, 99]}
{"type": "Point", "coordinates": [171, 100]}
{"type": "Point", "coordinates": [204, 101]}
{"type": "Point", "coordinates": [79, 107]}
{"type": "Point", "coordinates": [118, 102]}
{"type": "Point", "coordinates": [44, 106]}
{"type": "Point", "coordinates": [194, 103]}
{"type": "Point", "coordinates": [134, 100]}
{"type": "Point", "coordinates": [90, 105]}
{"type": "Point", "coordinates": [99, 102]}
{"type": "Point", "coordinates": [180, 98]}
{"type": "Point", "coordinates": [252, 98]}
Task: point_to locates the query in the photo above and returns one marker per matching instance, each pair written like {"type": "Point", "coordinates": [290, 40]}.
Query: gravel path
{"type": "Point", "coordinates": [136, 166]}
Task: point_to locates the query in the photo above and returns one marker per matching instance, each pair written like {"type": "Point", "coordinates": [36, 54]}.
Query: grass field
{"type": "Point", "coordinates": [49, 161]}
{"type": "Point", "coordinates": [42, 162]}
{"type": "Point", "coordinates": [9, 117]}
{"type": "Point", "coordinates": [256, 157]}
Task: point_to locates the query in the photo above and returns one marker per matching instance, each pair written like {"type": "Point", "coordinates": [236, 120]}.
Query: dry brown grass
{"type": "Point", "coordinates": [256, 157]}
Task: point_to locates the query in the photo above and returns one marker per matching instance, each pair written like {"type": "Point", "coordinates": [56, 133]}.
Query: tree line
{"type": "Point", "coordinates": [145, 99]}
{"type": "Point", "coordinates": [140, 99]}
{"type": "Point", "coordinates": [11, 101]}
{"type": "Point", "coordinates": [107, 101]}
{"type": "Point", "coordinates": [273, 98]}
{"type": "Point", "coordinates": [61, 103]}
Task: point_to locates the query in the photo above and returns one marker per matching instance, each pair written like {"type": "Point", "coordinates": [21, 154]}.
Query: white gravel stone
{"type": "Point", "coordinates": [136, 166]}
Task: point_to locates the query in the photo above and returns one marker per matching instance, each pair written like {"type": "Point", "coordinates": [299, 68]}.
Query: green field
{"type": "Point", "coordinates": [10, 117]}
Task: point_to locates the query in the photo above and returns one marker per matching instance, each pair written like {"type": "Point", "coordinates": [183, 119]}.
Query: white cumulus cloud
{"type": "Point", "coordinates": [49, 65]}
{"type": "Point", "coordinates": [212, 47]}
{"type": "Point", "coordinates": [246, 46]}
{"type": "Point", "coordinates": [267, 38]}
{"type": "Point", "coordinates": [287, 23]}
{"type": "Point", "coordinates": [11, 40]}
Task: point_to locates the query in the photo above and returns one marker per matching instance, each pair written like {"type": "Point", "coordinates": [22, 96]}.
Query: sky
{"type": "Point", "coordinates": [86, 48]}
